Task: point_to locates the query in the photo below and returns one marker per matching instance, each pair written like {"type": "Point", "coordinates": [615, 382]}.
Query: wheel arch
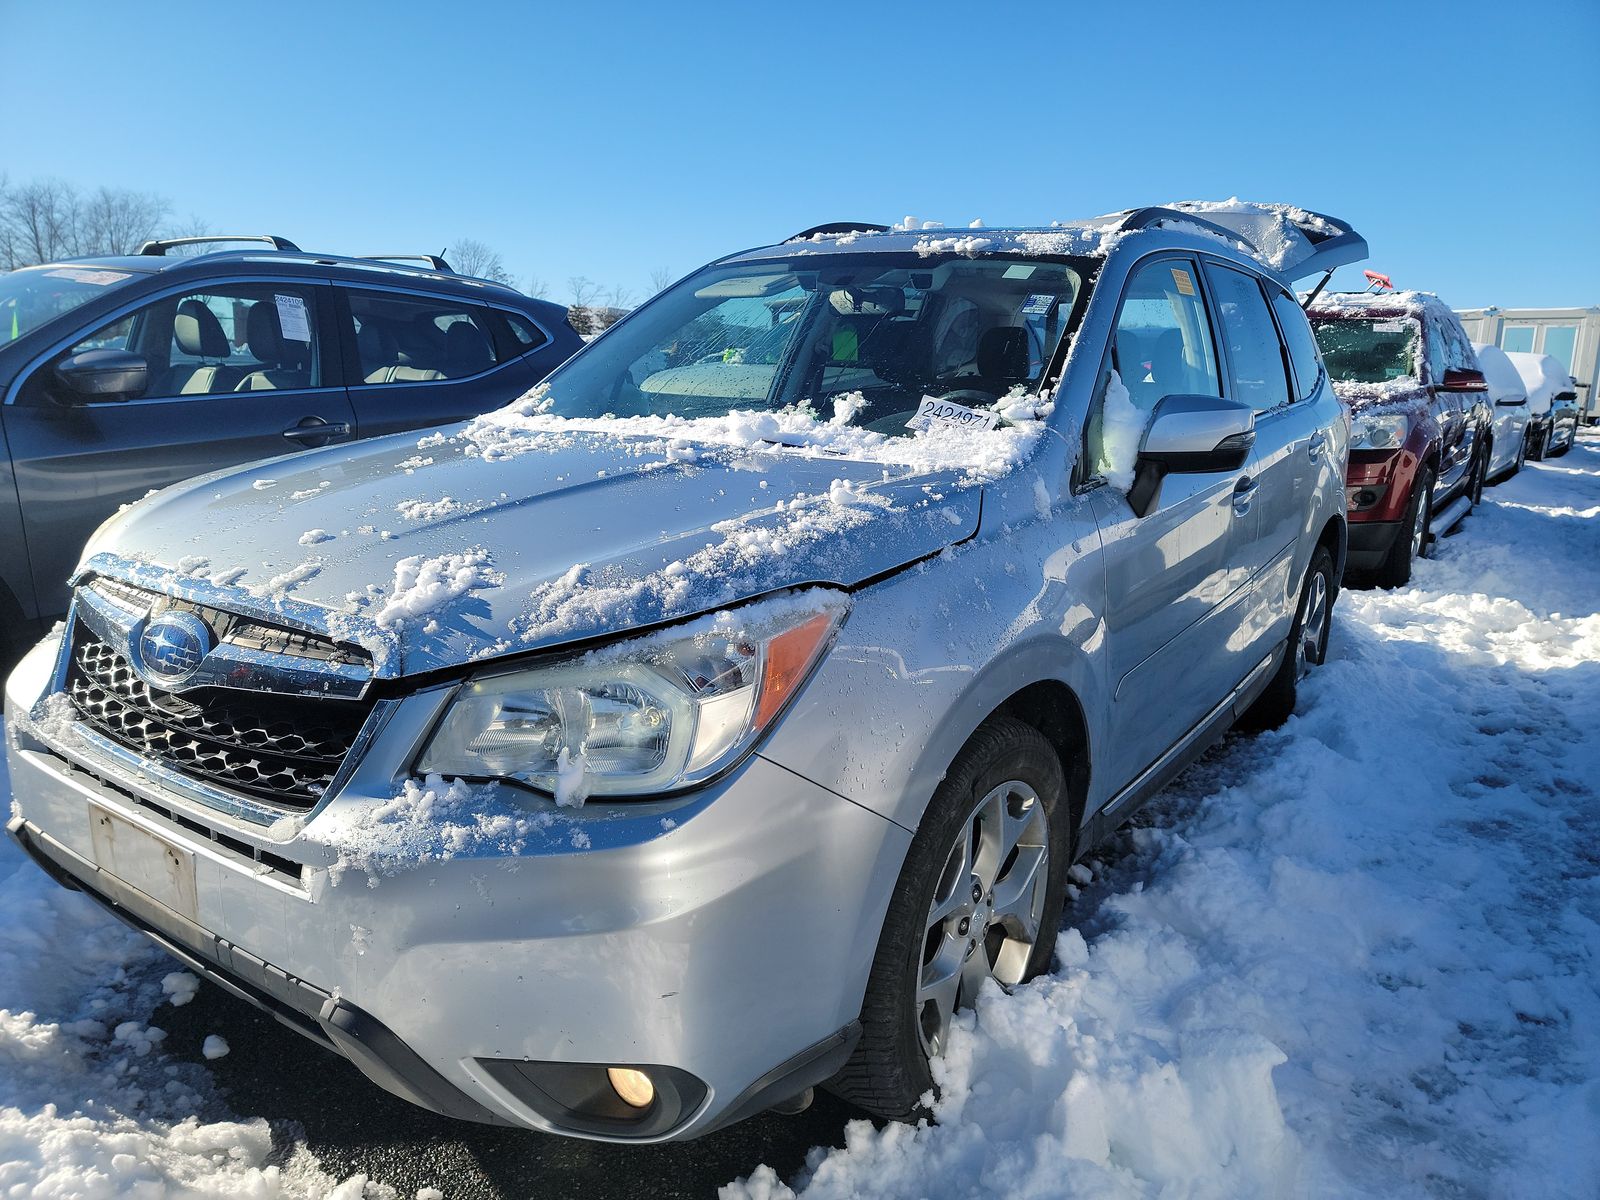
{"type": "Point", "coordinates": [1042, 682]}
{"type": "Point", "coordinates": [1335, 536]}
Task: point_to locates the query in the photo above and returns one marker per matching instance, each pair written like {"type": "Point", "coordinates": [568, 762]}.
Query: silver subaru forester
{"type": "Point", "coordinates": [713, 722]}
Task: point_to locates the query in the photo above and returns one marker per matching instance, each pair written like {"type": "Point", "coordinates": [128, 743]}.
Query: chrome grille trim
{"type": "Point", "coordinates": [249, 655]}
{"type": "Point", "coordinates": [287, 750]}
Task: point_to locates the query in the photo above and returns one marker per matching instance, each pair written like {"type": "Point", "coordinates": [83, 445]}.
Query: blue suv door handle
{"type": "Point", "coordinates": [314, 430]}
{"type": "Point", "coordinates": [1316, 446]}
{"type": "Point", "coordinates": [1243, 493]}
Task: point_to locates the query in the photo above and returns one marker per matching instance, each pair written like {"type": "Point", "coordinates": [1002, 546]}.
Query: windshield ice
{"type": "Point", "coordinates": [861, 338]}
{"type": "Point", "coordinates": [1368, 351]}
{"type": "Point", "coordinates": [34, 295]}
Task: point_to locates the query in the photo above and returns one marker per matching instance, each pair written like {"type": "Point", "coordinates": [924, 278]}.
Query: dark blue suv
{"type": "Point", "coordinates": [121, 375]}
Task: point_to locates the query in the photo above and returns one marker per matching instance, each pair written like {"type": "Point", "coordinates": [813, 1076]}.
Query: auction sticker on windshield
{"type": "Point", "coordinates": [943, 412]}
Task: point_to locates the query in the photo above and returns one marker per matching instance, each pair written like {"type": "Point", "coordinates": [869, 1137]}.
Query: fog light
{"type": "Point", "coordinates": [634, 1087]}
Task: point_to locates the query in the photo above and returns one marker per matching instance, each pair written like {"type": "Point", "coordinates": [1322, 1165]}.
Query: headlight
{"type": "Point", "coordinates": [640, 717]}
{"type": "Point", "coordinates": [1379, 432]}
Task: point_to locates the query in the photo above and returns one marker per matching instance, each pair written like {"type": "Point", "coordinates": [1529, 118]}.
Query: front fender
{"type": "Point", "coordinates": [927, 655]}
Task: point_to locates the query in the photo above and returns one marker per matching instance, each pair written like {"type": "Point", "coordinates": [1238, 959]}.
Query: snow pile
{"type": "Point", "coordinates": [968, 245]}
{"type": "Point", "coordinates": [1543, 378]}
{"type": "Point", "coordinates": [1504, 381]}
{"type": "Point", "coordinates": [425, 585]}
{"type": "Point", "coordinates": [429, 820]}
{"type": "Point", "coordinates": [1122, 425]}
{"type": "Point", "coordinates": [528, 426]}
{"type": "Point", "coordinates": [583, 595]}
{"type": "Point", "coordinates": [180, 987]}
{"type": "Point", "coordinates": [1359, 956]}
{"type": "Point", "coordinates": [90, 1102]}
{"type": "Point", "coordinates": [215, 1046]}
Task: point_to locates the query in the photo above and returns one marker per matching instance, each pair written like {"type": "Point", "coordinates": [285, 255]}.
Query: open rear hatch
{"type": "Point", "coordinates": [1295, 242]}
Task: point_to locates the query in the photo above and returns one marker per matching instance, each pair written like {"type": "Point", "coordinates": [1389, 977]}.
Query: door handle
{"type": "Point", "coordinates": [1315, 447]}
{"type": "Point", "coordinates": [1243, 493]}
{"type": "Point", "coordinates": [315, 429]}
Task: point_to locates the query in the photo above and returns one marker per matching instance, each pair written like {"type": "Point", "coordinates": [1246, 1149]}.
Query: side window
{"type": "Point", "coordinates": [235, 337]}
{"type": "Point", "coordinates": [1162, 346]}
{"type": "Point", "coordinates": [528, 336]}
{"type": "Point", "coordinates": [418, 339]}
{"type": "Point", "coordinates": [1255, 354]}
{"type": "Point", "coordinates": [1302, 344]}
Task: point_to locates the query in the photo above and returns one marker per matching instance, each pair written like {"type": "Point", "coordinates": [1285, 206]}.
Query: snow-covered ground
{"type": "Point", "coordinates": [1359, 956]}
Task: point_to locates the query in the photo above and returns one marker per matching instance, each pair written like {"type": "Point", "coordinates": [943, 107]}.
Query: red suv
{"type": "Point", "coordinates": [1420, 423]}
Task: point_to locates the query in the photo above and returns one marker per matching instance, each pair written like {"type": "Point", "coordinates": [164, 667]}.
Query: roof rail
{"type": "Point", "coordinates": [833, 227]}
{"type": "Point", "coordinates": [435, 262]}
{"type": "Point", "coordinates": [165, 244]}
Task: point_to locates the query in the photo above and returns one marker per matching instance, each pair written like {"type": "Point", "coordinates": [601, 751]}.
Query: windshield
{"type": "Point", "coordinates": [1368, 351]}
{"type": "Point", "coordinates": [35, 295]}
{"type": "Point", "coordinates": [855, 338]}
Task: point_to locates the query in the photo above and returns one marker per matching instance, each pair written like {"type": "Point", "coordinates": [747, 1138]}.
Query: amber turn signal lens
{"type": "Point", "coordinates": [789, 659]}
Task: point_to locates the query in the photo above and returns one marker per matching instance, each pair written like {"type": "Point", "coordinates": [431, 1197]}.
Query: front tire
{"type": "Point", "coordinates": [979, 897]}
{"type": "Point", "coordinates": [1308, 646]}
{"type": "Point", "coordinates": [1412, 541]}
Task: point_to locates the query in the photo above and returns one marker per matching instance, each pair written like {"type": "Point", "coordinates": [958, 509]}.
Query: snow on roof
{"type": "Point", "coordinates": [1278, 235]}
{"type": "Point", "coordinates": [1375, 304]}
{"type": "Point", "coordinates": [1543, 377]}
{"type": "Point", "coordinates": [1505, 382]}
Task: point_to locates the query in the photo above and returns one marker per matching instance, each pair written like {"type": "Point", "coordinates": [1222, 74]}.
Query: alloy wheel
{"type": "Point", "coordinates": [984, 920]}
{"type": "Point", "coordinates": [1419, 527]}
{"type": "Point", "coordinates": [1313, 644]}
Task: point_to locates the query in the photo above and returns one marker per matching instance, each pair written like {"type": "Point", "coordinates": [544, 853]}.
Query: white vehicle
{"type": "Point", "coordinates": [1509, 395]}
{"type": "Point", "coordinates": [1552, 404]}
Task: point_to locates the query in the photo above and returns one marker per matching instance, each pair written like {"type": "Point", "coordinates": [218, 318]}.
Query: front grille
{"type": "Point", "coordinates": [286, 749]}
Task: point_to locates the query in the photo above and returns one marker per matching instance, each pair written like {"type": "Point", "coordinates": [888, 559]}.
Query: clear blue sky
{"type": "Point", "coordinates": [610, 140]}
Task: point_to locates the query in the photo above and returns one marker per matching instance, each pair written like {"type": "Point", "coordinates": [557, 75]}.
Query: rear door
{"type": "Point", "coordinates": [417, 360]}
{"type": "Point", "coordinates": [237, 371]}
{"type": "Point", "coordinates": [1290, 441]}
{"type": "Point", "coordinates": [1177, 578]}
{"type": "Point", "coordinates": [1462, 416]}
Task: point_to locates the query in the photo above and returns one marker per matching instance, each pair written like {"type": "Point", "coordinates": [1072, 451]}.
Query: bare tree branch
{"type": "Point", "coordinates": [472, 257]}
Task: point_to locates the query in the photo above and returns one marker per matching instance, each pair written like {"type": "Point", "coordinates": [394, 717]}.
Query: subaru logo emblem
{"type": "Point", "coordinates": [173, 646]}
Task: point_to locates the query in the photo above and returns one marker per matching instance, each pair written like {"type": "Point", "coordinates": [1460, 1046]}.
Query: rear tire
{"type": "Point", "coordinates": [931, 933]}
{"type": "Point", "coordinates": [1522, 456]}
{"type": "Point", "coordinates": [1308, 646]}
{"type": "Point", "coordinates": [1411, 543]}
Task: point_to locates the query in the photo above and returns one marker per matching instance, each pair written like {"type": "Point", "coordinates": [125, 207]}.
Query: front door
{"type": "Point", "coordinates": [235, 372]}
{"type": "Point", "coordinates": [1177, 578]}
{"type": "Point", "coordinates": [1290, 442]}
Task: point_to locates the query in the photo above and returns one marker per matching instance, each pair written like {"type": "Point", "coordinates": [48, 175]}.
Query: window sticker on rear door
{"type": "Point", "coordinates": [292, 318]}
{"type": "Point", "coordinates": [1184, 283]}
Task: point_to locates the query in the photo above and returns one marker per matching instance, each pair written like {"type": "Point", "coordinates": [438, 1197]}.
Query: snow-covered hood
{"type": "Point", "coordinates": [1401, 394]}
{"type": "Point", "coordinates": [433, 556]}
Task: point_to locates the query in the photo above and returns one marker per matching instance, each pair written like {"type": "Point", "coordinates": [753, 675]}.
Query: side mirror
{"type": "Point", "coordinates": [104, 374]}
{"type": "Point", "coordinates": [1190, 435]}
{"type": "Point", "coordinates": [1458, 380]}
{"type": "Point", "coordinates": [1519, 402]}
